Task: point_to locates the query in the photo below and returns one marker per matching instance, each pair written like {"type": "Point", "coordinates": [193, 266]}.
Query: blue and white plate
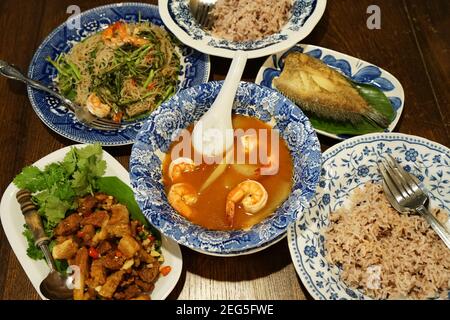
{"type": "Point", "coordinates": [178, 18]}
{"type": "Point", "coordinates": [182, 110]}
{"type": "Point", "coordinates": [349, 165]}
{"type": "Point", "coordinates": [195, 70]}
{"type": "Point", "coordinates": [353, 68]}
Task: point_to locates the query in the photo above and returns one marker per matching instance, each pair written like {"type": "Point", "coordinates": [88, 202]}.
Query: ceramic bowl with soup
{"type": "Point", "coordinates": [236, 203]}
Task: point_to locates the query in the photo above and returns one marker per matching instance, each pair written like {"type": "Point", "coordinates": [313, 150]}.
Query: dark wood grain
{"type": "Point", "coordinates": [413, 44]}
{"type": "Point", "coordinates": [395, 48]}
{"type": "Point", "coordinates": [431, 26]}
{"type": "Point", "coordinates": [15, 113]}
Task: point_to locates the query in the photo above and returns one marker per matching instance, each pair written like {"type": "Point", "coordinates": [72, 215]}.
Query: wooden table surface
{"type": "Point", "coordinates": [413, 44]}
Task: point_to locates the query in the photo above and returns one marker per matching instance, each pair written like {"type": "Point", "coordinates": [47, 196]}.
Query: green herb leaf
{"type": "Point", "coordinates": [89, 166]}
{"type": "Point", "coordinates": [377, 99]}
{"type": "Point", "coordinates": [54, 173]}
{"type": "Point", "coordinates": [56, 187]}
{"type": "Point", "coordinates": [374, 97]}
{"type": "Point", "coordinates": [92, 150]}
{"type": "Point", "coordinates": [32, 251]}
{"type": "Point", "coordinates": [61, 266]}
{"type": "Point", "coordinates": [70, 161]}
{"type": "Point", "coordinates": [30, 178]}
{"type": "Point", "coordinates": [52, 207]}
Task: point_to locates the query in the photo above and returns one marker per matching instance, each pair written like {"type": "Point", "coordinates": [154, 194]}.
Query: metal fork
{"type": "Point", "coordinates": [82, 114]}
{"type": "Point", "coordinates": [201, 11]}
{"type": "Point", "coordinates": [406, 196]}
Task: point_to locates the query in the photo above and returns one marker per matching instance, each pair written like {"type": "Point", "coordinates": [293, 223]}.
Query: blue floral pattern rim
{"type": "Point", "coordinates": [353, 68]}
{"type": "Point", "coordinates": [185, 108]}
{"type": "Point", "coordinates": [346, 166]}
{"type": "Point", "coordinates": [305, 14]}
{"type": "Point", "coordinates": [195, 70]}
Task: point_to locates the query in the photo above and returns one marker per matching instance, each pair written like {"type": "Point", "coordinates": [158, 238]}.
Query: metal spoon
{"type": "Point", "coordinates": [55, 286]}
{"type": "Point", "coordinates": [82, 114]}
{"type": "Point", "coordinates": [213, 133]}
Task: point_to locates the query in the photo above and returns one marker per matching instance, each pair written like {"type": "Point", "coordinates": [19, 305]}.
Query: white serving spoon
{"type": "Point", "coordinates": [213, 134]}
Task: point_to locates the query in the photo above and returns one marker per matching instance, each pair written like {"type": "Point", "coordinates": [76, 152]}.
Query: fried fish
{"type": "Point", "coordinates": [317, 88]}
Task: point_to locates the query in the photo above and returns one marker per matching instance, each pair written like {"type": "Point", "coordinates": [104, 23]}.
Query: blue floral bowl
{"type": "Point", "coordinates": [183, 109]}
{"type": "Point", "coordinates": [177, 16]}
{"type": "Point", "coordinates": [347, 166]}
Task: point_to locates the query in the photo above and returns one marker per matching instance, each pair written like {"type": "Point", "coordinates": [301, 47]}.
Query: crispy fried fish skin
{"type": "Point", "coordinates": [317, 88]}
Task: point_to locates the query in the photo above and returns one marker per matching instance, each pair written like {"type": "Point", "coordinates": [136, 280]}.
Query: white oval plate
{"type": "Point", "coordinates": [349, 165]}
{"type": "Point", "coordinates": [177, 17]}
{"type": "Point", "coordinates": [351, 67]}
{"type": "Point", "coordinates": [13, 221]}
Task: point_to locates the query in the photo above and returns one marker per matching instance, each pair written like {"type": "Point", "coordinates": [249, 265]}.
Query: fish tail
{"type": "Point", "coordinates": [377, 118]}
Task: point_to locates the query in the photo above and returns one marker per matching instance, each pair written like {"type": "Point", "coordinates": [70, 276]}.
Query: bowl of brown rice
{"type": "Point", "coordinates": [351, 243]}
{"type": "Point", "coordinates": [260, 27]}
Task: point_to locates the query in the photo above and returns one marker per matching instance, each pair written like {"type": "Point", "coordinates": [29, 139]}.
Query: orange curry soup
{"type": "Point", "coordinates": [210, 207]}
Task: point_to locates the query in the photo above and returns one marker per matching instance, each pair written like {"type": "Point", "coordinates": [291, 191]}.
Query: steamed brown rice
{"type": "Point", "coordinates": [241, 20]}
{"type": "Point", "coordinates": [386, 254]}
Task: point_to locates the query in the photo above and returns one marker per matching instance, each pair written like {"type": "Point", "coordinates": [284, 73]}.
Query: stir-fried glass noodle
{"type": "Point", "coordinates": [385, 254]}
{"type": "Point", "coordinates": [123, 71]}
